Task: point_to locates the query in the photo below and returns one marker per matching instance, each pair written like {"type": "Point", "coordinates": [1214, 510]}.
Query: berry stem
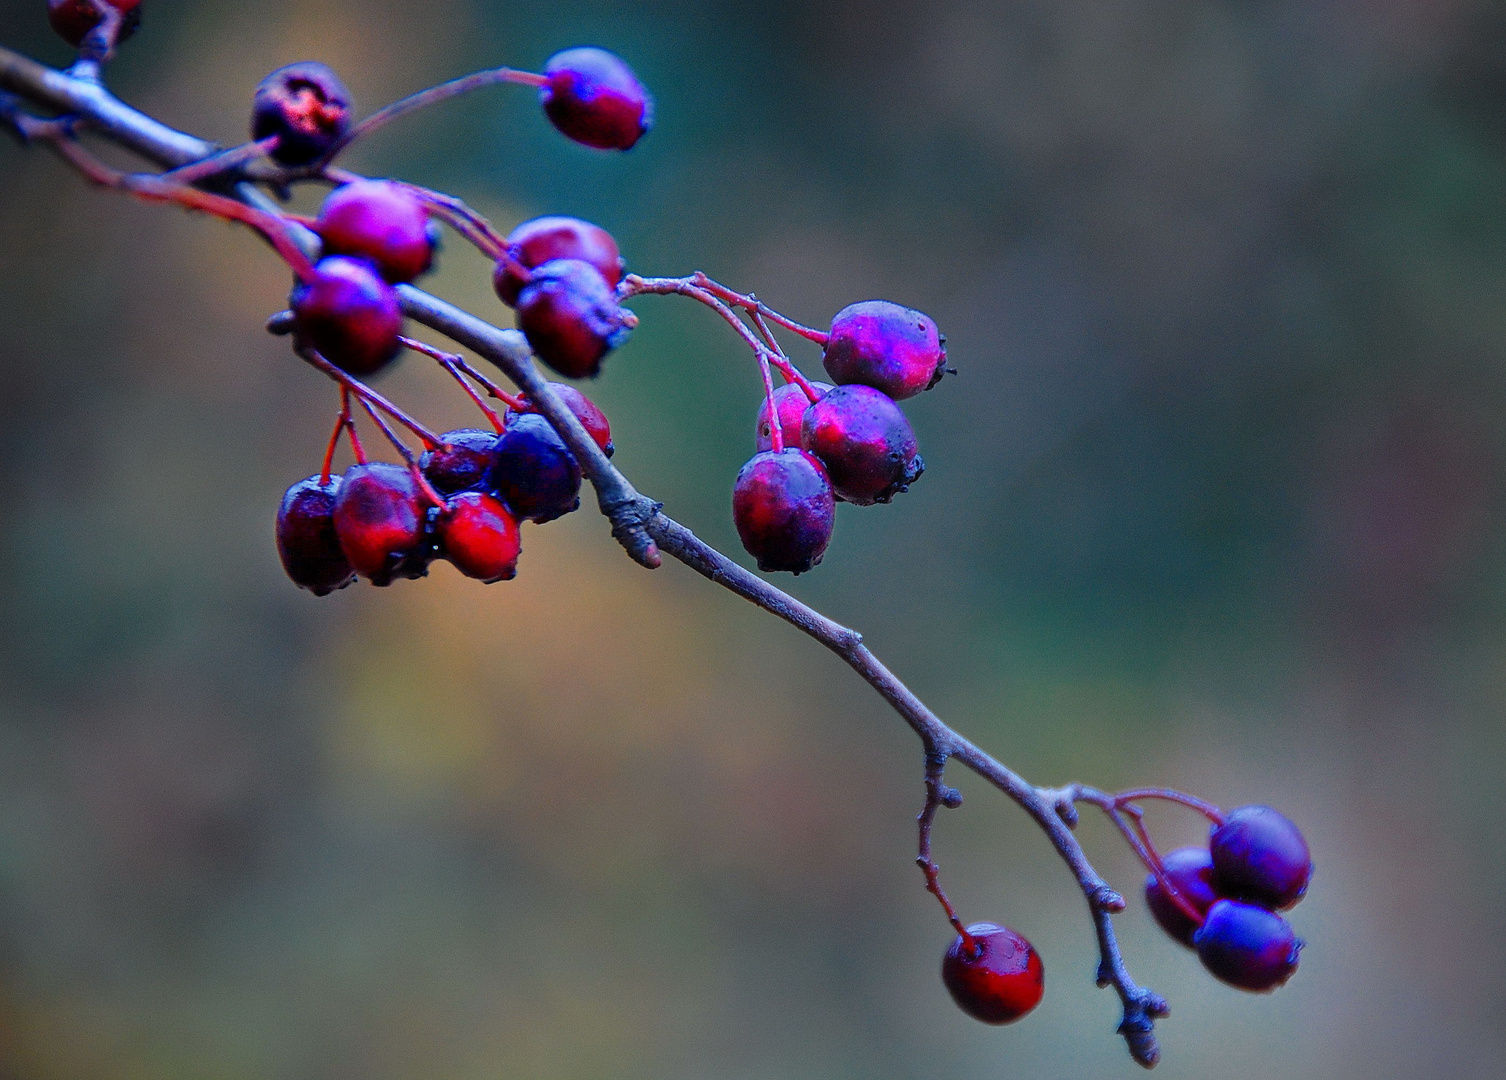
{"type": "Point", "coordinates": [407, 455]}
{"type": "Point", "coordinates": [776, 428]}
{"type": "Point", "coordinates": [98, 46]}
{"type": "Point", "coordinates": [223, 162]}
{"type": "Point", "coordinates": [749, 302]}
{"type": "Point", "coordinates": [340, 421]}
{"type": "Point", "coordinates": [455, 364]}
{"type": "Point", "coordinates": [367, 395]}
{"type": "Point", "coordinates": [458, 216]}
{"type": "Point", "coordinates": [1207, 809]}
{"type": "Point", "coordinates": [938, 795]}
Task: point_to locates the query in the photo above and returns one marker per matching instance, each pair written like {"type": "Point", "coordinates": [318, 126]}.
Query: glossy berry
{"type": "Point", "coordinates": [885, 346]}
{"type": "Point", "coordinates": [461, 462]}
{"type": "Point", "coordinates": [479, 536]}
{"type": "Point", "coordinates": [591, 418]}
{"type": "Point", "coordinates": [306, 539]}
{"type": "Point", "coordinates": [790, 402]}
{"type": "Point", "coordinates": [534, 473]}
{"type": "Point", "coordinates": [571, 317]}
{"type": "Point", "coordinates": [783, 508]}
{"type": "Point", "coordinates": [865, 442]}
{"type": "Point", "coordinates": [1260, 856]}
{"type": "Point", "coordinates": [380, 520]}
{"type": "Point", "coordinates": [999, 979]}
{"type": "Point", "coordinates": [1190, 870]}
{"type": "Point", "coordinates": [349, 314]}
{"type": "Point", "coordinates": [73, 19]}
{"type": "Point", "coordinates": [1247, 946]}
{"type": "Point", "coordinates": [379, 221]}
{"type": "Point", "coordinates": [593, 97]}
{"type": "Point", "coordinates": [306, 106]}
{"type": "Point", "coordinates": [545, 239]}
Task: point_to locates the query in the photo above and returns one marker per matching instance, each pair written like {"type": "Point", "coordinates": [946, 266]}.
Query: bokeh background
{"type": "Point", "coordinates": [1216, 501]}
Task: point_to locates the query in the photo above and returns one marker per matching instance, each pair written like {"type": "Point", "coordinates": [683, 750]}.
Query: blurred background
{"type": "Point", "coordinates": [1216, 501]}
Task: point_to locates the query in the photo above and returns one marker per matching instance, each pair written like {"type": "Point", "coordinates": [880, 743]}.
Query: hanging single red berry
{"type": "Point", "coordinates": [544, 239]}
{"type": "Point", "coordinates": [380, 520]}
{"type": "Point", "coordinates": [1247, 946]}
{"type": "Point", "coordinates": [306, 540]}
{"type": "Point", "coordinates": [994, 974]}
{"type": "Point", "coordinates": [73, 19]}
{"type": "Point", "coordinates": [591, 418]}
{"type": "Point", "coordinates": [349, 314]}
{"type": "Point", "coordinates": [865, 442]}
{"type": "Point", "coordinates": [885, 346]}
{"type": "Point", "coordinates": [1260, 856]}
{"type": "Point", "coordinates": [533, 471]}
{"type": "Point", "coordinates": [784, 511]}
{"type": "Point", "coordinates": [479, 537]}
{"type": "Point", "coordinates": [379, 221]}
{"type": "Point", "coordinates": [306, 106]}
{"type": "Point", "coordinates": [571, 317]}
{"type": "Point", "coordinates": [791, 402]}
{"type": "Point", "coordinates": [593, 97]}
{"type": "Point", "coordinates": [1189, 871]}
{"type": "Point", "coordinates": [461, 462]}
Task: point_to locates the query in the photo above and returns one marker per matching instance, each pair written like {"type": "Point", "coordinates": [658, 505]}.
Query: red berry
{"type": "Point", "coordinates": [1247, 946]}
{"type": "Point", "coordinates": [887, 347]}
{"type": "Point", "coordinates": [379, 518]}
{"type": "Point", "coordinates": [1260, 856]}
{"type": "Point", "coordinates": [545, 239]}
{"type": "Point", "coordinates": [791, 402]}
{"type": "Point", "coordinates": [998, 979]}
{"type": "Point", "coordinates": [479, 536]}
{"type": "Point", "coordinates": [784, 511]}
{"type": "Point", "coordinates": [1190, 870]}
{"type": "Point", "coordinates": [349, 314]}
{"type": "Point", "coordinates": [306, 539]}
{"type": "Point", "coordinates": [591, 418]}
{"type": "Point", "coordinates": [865, 442]}
{"type": "Point", "coordinates": [306, 106]}
{"type": "Point", "coordinates": [593, 97]}
{"type": "Point", "coordinates": [533, 471]}
{"type": "Point", "coordinates": [461, 462]}
{"type": "Point", "coordinates": [73, 19]}
{"type": "Point", "coordinates": [379, 221]}
{"type": "Point", "coordinates": [571, 317]}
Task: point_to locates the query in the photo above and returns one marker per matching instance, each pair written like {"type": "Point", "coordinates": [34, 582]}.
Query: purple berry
{"type": "Point", "coordinates": [887, 347]}
{"type": "Point", "coordinates": [534, 472]}
{"type": "Point", "coordinates": [306, 106]}
{"type": "Point", "coordinates": [349, 314]}
{"type": "Point", "coordinates": [591, 418]}
{"type": "Point", "coordinates": [380, 520]}
{"type": "Point", "coordinates": [73, 19]}
{"type": "Point", "coordinates": [593, 97]}
{"type": "Point", "coordinates": [998, 980]}
{"type": "Point", "coordinates": [571, 317]}
{"type": "Point", "coordinates": [1260, 856]}
{"type": "Point", "coordinates": [306, 539]}
{"type": "Point", "coordinates": [784, 511]}
{"type": "Point", "coordinates": [1190, 870]}
{"type": "Point", "coordinates": [545, 239]}
{"type": "Point", "coordinates": [379, 221]}
{"type": "Point", "coordinates": [1247, 946]}
{"type": "Point", "coordinates": [461, 462]}
{"type": "Point", "coordinates": [479, 537]}
{"type": "Point", "coordinates": [791, 403]}
{"type": "Point", "coordinates": [865, 442]}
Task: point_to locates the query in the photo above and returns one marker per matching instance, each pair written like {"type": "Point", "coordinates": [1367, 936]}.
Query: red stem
{"type": "Point", "coordinates": [334, 438]}
{"type": "Point", "coordinates": [407, 455]}
{"type": "Point", "coordinates": [366, 395]}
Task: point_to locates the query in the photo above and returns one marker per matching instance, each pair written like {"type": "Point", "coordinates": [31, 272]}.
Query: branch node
{"type": "Point", "coordinates": [1138, 1030]}
{"type": "Point", "coordinates": [950, 797]}
{"type": "Point", "coordinates": [1106, 899]}
{"type": "Point", "coordinates": [280, 324]}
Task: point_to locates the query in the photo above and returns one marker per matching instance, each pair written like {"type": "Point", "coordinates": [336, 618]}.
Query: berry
{"type": "Point", "coordinates": [461, 462]}
{"type": "Point", "coordinates": [1190, 870]}
{"type": "Point", "coordinates": [479, 536]}
{"type": "Point", "coordinates": [593, 97]}
{"type": "Point", "coordinates": [306, 539]}
{"type": "Point", "coordinates": [791, 403]}
{"type": "Point", "coordinates": [545, 239]}
{"type": "Point", "coordinates": [380, 519]}
{"type": "Point", "coordinates": [865, 442]}
{"type": "Point", "coordinates": [73, 19]}
{"type": "Point", "coordinates": [887, 347]}
{"type": "Point", "coordinates": [534, 473]}
{"type": "Point", "coordinates": [306, 106]}
{"type": "Point", "coordinates": [380, 221]}
{"type": "Point", "coordinates": [571, 318]}
{"type": "Point", "coordinates": [1260, 856]}
{"type": "Point", "coordinates": [349, 314]}
{"type": "Point", "coordinates": [784, 511]}
{"type": "Point", "coordinates": [591, 418]}
{"type": "Point", "coordinates": [1247, 946]}
{"type": "Point", "coordinates": [999, 979]}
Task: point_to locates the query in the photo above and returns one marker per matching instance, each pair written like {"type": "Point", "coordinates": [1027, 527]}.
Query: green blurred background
{"type": "Point", "coordinates": [1216, 501]}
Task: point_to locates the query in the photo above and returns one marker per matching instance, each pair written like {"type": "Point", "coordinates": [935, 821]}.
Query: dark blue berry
{"type": "Point", "coordinates": [461, 462]}
{"type": "Point", "coordinates": [306, 539]}
{"type": "Point", "coordinates": [593, 97]}
{"type": "Point", "coordinates": [571, 317]}
{"type": "Point", "coordinates": [1260, 856]}
{"type": "Point", "coordinates": [533, 471]}
{"type": "Point", "coordinates": [865, 442]}
{"type": "Point", "coordinates": [1190, 872]}
{"type": "Point", "coordinates": [306, 106]}
{"type": "Point", "coordinates": [1247, 946]}
{"type": "Point", "coordinates": [783, 508]}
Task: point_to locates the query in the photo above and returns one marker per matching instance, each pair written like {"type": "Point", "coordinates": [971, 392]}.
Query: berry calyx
{"type": "Point", "coordinates": [349, 314]}
{"type": "Point", "coordinates": [544, 239]}
{"type": "Point", "coordinates": [379, 221]}
{"type": "Point", "coordinates": [379, 518]}
{"type": "Point", "coordinates": [461, 462]}
{"type": "Point", "coordinates": [533, 471]}
{"type": "Point", "coordinates": [790, 402]}
{"type": "Point", "coordinates": [1190, 872]}
{"type": "Point", "coordinates": [73, 19]}
{"type": "Point", "coordinates": [784, 510]}
{"type": "Point", "coordinates": [1247, 946]}
{"type": "Point", "coordinates": [306, 540]}
{"type": "Point", "coordinates": [865, 442]}
{"type": "Point", "coordinates": [306, 106]}
{"type": "Point", "coordinates": [591, 418]}
{"type": "Point", "coordinates": [479, 536]}
{"type": "Point", "coordinates": [888, 347]}
{"type": "Point", "coordinates": [593, 97]}
{"type": "Point", "coordinates": [1260, 856]}
{"type": "Point", "coordinates": [571, 317]}
{"type": "Point", "coordinates": [994, 974]}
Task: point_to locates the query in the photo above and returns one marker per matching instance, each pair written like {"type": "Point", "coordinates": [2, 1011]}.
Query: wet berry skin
{"type": "Point", "coordinates": [379, 221]}
{"type": "Point", "coordinates": [1247, 946]}
{"type": "Point", "coordinates": [73, 19]}
{"type": "Point", "coordinates": [306, 540]}
{"type": "Point", "coordinates": [885, 346]}
{"type": "Point", "coordinates": [545, 239]}
{"type": "Point", "coordinates": [1191, 872]}
{"type": "Point", "coordinates": [306, 106]}
{"type": "Point", "coordinates": [999, 980]}
{"type": "Point", "coordinates": [534, 473]}
{"type": "Point", "coordinates": [380, 520]}
{"type": "Point", "coordinates": [784, 510]}
{"type": "Point", "coordinates": [571, 317]}
{"type": "Point", "coordinates": [593, 97]}
{"type": "Point", "coordinates": [591, 418]}
{"type": "Point", "coordinates": [791, 403]}
{"type": "Point", "coordinates": [1260, 856]}
{"type": "Point", "coordinates": [461, 462]}
{"type": "Point", "coordinates": [865, 442]}
{"type": "Point", "coordinates": [349, 314]}
{"type": "Point", "coordinates": [479, 536]}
